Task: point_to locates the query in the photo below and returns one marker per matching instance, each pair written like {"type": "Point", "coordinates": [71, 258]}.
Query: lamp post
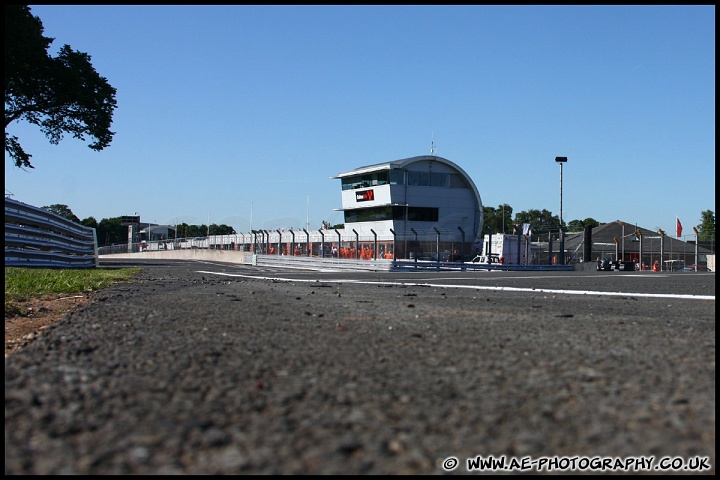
{"type": "Point", "coordinates": [561, 160]}
{"type": "Point", "coordinates": [697, 241]}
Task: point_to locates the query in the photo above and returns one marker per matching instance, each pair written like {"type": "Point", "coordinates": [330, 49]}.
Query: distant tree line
{"type": "Point", "coordinates": [110, 230]}
{"type": "Point", "coordinates": [496, 220]}
{"type": "Point", "coordinates": [501, 220]}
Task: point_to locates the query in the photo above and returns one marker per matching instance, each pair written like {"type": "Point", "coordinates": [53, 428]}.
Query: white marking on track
{"type": "Point", "coordinates": [474, 287]}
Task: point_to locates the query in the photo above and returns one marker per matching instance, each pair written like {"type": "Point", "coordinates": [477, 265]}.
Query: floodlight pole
{"type": "Point", "coordinates": [697, 242]}
{"type": "Point", "coordinates": [561, 160]}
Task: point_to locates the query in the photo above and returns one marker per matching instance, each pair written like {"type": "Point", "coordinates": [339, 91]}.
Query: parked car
{"type": "Point", "coordinates": [494, 259]}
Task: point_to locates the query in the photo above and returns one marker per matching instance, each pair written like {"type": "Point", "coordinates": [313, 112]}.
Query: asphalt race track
{"type": "Point", "coordinates": [208, 368]}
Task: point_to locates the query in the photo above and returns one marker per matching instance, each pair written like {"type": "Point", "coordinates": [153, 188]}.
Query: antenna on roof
{"type": "Point", "coordinates": [432, 144]}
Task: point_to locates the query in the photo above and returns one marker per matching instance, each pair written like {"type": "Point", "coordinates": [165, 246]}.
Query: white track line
{"type": "Point", "coordinates": [475, 287]}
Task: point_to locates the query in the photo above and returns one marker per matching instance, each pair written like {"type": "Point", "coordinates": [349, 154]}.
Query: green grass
{"type": "Point", "coordinates": [23, 283]}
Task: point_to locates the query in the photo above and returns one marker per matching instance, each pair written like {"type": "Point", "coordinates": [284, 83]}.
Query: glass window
{"type": "Point", "coordinates": [375, 214]}
{"type": "Point", "coordinates": [413, 178]}
{"type": "Point", "coordinates": [397, 177]}
{"type": "Point", "coordinates": [423, 214]}
{"type": "Point", "coordinates": [380, 178]}
{"type": "Point", "coordinates": [457, 181]}
{"type": "Point", "coordinates": [401, 177]}
{"type": "Point", "coordinates": [364, 181]}
{"type": "Point", "coordinates": [440, 179]}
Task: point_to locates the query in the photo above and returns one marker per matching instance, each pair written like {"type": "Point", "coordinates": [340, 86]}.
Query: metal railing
{"type": "Point", "coordinates": [37, 238]}
{"type": "Point", "coordinates": [430, 247]}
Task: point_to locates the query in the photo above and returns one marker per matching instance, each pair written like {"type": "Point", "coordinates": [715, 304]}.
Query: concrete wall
{"type": "Point", "coordinates": [228, 256]}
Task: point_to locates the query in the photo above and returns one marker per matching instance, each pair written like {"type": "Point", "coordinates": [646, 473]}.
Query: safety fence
{"type": "Point", "coordinates": [424, 249]}
{"type": "Point", "coordinates": [350, 244]}
{"type": "Point", "coordinates": [317, 263]}
{"type": "Point", "coordinates": [337, 244]}
{"type": "Point", "coordinates": [37, 238]}
{"type": "Point", "coordinates": [382, 264]}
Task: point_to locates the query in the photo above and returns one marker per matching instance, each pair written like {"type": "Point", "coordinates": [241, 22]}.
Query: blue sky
{"type": "Point", "coordinates": [241, 114]}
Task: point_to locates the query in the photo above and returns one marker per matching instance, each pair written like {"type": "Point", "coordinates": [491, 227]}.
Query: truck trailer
{"type": "Point", "coordinates": [511, 249]}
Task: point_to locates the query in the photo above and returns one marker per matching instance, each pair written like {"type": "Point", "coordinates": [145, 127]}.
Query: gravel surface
{"type": "Point", "coordinates": [182, 372]}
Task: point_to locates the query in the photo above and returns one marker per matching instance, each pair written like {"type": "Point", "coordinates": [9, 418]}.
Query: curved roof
{"type": "Point", "coordinates": [403, 163]}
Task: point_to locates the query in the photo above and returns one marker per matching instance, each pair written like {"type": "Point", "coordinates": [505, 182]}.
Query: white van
{"type": "Point", "coordinates": [494, 259]}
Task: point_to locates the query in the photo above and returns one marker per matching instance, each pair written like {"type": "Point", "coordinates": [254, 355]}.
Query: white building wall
{"type": "Point", "coordinates": [457, 207]}
{"type": "Point", "coordinates": [381, 194]}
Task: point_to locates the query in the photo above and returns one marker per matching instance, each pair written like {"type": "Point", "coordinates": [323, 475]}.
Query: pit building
{"type": "Point", "coordinates": [423, 207]}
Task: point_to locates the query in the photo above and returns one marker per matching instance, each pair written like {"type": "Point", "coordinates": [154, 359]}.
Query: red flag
{"type": "Point", "coordinates": [679, 227]}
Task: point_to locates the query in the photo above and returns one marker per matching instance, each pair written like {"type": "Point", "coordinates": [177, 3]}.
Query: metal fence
{"type": "Point", "coordinates": [406, 251]}
{"type": "Point", "coordinates": [431, 246]}
{"type": "Point", "coordinates": [37, 238]}
{"type": "Point", "coordinates": [324, 244]}
{"type": "Point", "coordinates": [649, 250]}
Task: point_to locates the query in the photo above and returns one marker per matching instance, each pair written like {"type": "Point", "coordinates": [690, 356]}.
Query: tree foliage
{"type": "Point", "coordinates": [706, 229]}
{"type": "Point", "coordinates": [591, 222]}
{"type": "Point", "coordinates": [579, 225]}
{"type": "Point", "coordinates": [63, 211]}
{"type": "Point", "coordinates": [575, 226]}
{"type": "Point", "coordinates": [110, 231]}
{"type": "Point", "coordinates": [89, 222]}
{"type": "Point", "coordinates": [62, 94]}
{"type": "Point", "coordinates": [541, 221]}
{"type": "Point", "coordinates": [221, 229]}
{"type": "Point", "coordinates": [498, 220]}
{"type": "Point", "coordinates": [183, 230]}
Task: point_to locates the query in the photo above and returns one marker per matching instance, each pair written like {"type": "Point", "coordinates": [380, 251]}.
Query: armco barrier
{"type": "Point", "coordinates": [37, 238]}
{"type": "Point", "coordinates": [467, 266]}
{"type": "Point", "coordinates": [316, 263]}
{"type": "Point", "coordinates": [322, 264]}
{"type": "Point", "coordinates": [262, 260]}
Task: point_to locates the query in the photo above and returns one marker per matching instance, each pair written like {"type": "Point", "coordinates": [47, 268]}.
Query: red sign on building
{"type": "Point", "coordinates": [365, 196]}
